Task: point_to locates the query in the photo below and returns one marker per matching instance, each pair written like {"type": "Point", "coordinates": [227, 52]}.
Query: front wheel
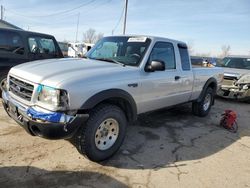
{"type": "Point", "coordinates": [203, 107]}
{"type": "Point", "coordinates": [2, 84]}
{"type": "Point", "coordinates": [103, 133]}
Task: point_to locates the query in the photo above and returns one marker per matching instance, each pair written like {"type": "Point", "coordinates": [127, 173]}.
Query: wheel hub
{"type": "Point", "coordinates": [106, 134]}
{"type": "Point", "coordinates": [207, 102]}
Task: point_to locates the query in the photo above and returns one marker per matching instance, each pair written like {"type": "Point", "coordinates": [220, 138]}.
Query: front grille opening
{"type": "Point", "coordinates": [21, 88]}
{"type": "Point", "coordinates": [230, 78]}
{"type": "Point", "coordinates": [226, 93]}
{"type": "Point", "coordinates": [35, 130]}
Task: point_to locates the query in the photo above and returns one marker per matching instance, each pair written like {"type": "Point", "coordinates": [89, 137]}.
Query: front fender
{"type": "Point", "coordinates": [111, 94]}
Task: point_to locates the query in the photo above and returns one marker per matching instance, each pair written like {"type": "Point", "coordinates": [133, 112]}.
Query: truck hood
{"type": "Point", "coordinates": [232, 72]}
{"type": "Point", "coordinates": [58, 72]}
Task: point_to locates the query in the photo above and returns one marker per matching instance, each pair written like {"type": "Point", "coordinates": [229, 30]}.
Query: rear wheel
{"type": "Point", "coordinates": [103, 133]}
{"type": "Point", "coordinates": [203, 107]}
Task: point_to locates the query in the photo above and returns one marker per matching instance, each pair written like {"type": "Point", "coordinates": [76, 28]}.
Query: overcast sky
{"type": "Point", "coordinates": [206, 24]}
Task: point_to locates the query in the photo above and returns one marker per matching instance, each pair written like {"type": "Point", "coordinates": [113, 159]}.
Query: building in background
{"type": "Point", "coordinates": [7, 25]}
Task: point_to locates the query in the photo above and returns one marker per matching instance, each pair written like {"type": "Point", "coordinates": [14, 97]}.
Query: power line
{"type": "Point", "coordinates": [54, 14]}
{"type": "Point", "coordinates": [117, 24]}
{"type": "Point", "coordinates": [64, 19]}
{"type": "Point", "coordinates": [61, 19]}
{"type": "Point", "coordinates": [65, 15]}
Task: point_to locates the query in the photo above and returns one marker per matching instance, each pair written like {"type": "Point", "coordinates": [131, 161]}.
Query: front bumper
{"type": "Point", "coordinates": [41, 127]}
{"type": "Point", "coordinates": [234, 92]}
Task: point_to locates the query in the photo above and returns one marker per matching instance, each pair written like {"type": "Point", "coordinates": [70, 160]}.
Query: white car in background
{"type": "Point", "coordinates": [78, 49]}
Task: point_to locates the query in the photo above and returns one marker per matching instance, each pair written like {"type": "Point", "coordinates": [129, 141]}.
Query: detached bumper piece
{"type": "Point", "coordinates": [46, 124]}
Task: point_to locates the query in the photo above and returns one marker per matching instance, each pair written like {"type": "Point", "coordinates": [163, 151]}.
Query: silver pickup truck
{"type": "Point", "coordinates": [93, 99]}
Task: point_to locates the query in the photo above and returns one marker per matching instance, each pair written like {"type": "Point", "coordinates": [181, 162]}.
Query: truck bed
{"type": "Point", "coordinates": [201, 75]}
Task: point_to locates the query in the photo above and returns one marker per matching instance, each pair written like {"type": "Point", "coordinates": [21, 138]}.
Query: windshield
{"type": "Point", "coordinates": [126, 50]}
{"type": "Point", "coordinates": [235, 62]}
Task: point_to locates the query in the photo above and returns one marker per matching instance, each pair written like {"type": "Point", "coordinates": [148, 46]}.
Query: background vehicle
{"type": "Point", "coordinates": [78, 49]}
{"type": "Point", "coordinates": [92, 100]}
{"type": "Point", "coordinates": [198, 60]}
{"type": "Point", "coordinates": [236, 84]}
{"type": "Point", "coordinates": [19, 46]}
{"type": "Point", "coordinates": [64, 46]}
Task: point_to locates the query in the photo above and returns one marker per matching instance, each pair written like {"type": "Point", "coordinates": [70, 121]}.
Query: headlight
{"type": "Point", "coordinates": [245, 79]}
{"type": "Point", "coordinates": [51, 97]}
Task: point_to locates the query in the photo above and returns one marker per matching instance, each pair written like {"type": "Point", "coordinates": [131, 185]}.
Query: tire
{"type": "Point", "coordinates": [2, 78]}
{"type": "Point", "coordinates": [203, 107]}
{"type": "Point", "coordinates": [103, 133]}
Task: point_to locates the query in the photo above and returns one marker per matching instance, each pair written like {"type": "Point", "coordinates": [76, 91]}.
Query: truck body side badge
{"type": "Point", "coordinates": [133, 85]}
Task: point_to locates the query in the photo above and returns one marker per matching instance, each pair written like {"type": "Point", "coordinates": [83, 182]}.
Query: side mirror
{"type": "Point", "coordinates": [155, 65]}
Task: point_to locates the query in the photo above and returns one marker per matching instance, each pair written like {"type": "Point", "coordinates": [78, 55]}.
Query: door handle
{"type": "Point", "coordinates": [177, 77]}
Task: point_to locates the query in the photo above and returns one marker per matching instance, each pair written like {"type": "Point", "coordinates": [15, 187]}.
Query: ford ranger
{"type": "Point", "coordinates": [92, 100]}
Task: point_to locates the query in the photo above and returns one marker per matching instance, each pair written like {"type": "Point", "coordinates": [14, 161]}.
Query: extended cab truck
{"type": "Point", "coordinates": [19, 46]}
{"type": "Point", "coordinates": [92, 100]}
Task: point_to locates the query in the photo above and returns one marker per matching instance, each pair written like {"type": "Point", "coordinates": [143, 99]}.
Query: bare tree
{"type": "Point", "coordinates": [90, 36]}
{"type": "Point", "coordinates": [190, 45]}
{"type": "Point", "coordinates": [203, 54]}
{"type": "Point", "coordinates": [225, 50]}
{"type": "Point", "coordinates": [99, 36]}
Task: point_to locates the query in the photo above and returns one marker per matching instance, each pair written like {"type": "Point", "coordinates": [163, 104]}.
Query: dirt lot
{"type": "Point", "coordinates": [168, 148]}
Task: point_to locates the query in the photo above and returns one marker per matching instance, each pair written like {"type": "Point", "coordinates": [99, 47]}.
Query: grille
{"type": "Point", "coordinates": [228, 82]}
{"type": "Point", "coordinates": [230, 77]}
{"type": "Point", "coordinates": [20, 88]}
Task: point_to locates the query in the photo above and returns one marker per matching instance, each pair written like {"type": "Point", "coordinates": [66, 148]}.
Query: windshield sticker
{"type": "Point", "coordinates": [137, 39]}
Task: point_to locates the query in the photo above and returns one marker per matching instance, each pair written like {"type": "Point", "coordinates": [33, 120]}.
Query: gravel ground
{"type": "Point", "coordinates": [167, 148]}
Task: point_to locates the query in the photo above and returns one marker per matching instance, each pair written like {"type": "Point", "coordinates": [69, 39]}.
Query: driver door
{"type": "Point", "coordinates": [160, 88]}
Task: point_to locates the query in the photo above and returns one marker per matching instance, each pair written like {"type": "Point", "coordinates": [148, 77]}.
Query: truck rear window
{"type": "Point", "coordinates": [185, 62]}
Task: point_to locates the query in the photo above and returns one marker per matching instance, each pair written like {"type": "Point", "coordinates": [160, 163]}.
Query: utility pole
{"type": "Point", "coordinates": [125, 17]}
{"type": "Point", "coordinates": [78, 15]}
{"type": "Point", "coordinates": [1, 12]}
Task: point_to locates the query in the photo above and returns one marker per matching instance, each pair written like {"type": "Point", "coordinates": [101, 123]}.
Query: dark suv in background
{"type": "Point", "coordinates": [19, 46]}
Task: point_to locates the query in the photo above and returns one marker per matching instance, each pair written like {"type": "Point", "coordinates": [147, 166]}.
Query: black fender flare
{"type": "Point", "coordinates": [210, 81]}
{"type": "Point", "coordinates": [111, 94]}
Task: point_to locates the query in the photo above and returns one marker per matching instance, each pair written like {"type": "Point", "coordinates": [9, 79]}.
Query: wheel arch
{"type": "Point", "coordinates": [117, 97]}
{"type": "Point", "coordinates": [211, 82]}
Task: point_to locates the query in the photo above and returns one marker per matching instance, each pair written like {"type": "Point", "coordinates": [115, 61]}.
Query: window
{"type": "Point", "coordinates": [164, 52]}
{"type": "Point", "coordinates": [11, 42]}
{"type": "Point", "coordinates": [42, 45]}
{"type": "Point", "coordinates": [107, 50]}
{"type": "Point", "coordinates": [126, 50]}
{"type": "Point", "coordinates": [185, 62]}
{"type": "Point", "coordinates": [236, 62]}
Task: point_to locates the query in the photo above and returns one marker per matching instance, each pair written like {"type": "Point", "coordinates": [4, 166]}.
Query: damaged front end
{"type": "Point", "coordinates": [41, 122]}
{"type": "Point", "coordinates": [235, 86]}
